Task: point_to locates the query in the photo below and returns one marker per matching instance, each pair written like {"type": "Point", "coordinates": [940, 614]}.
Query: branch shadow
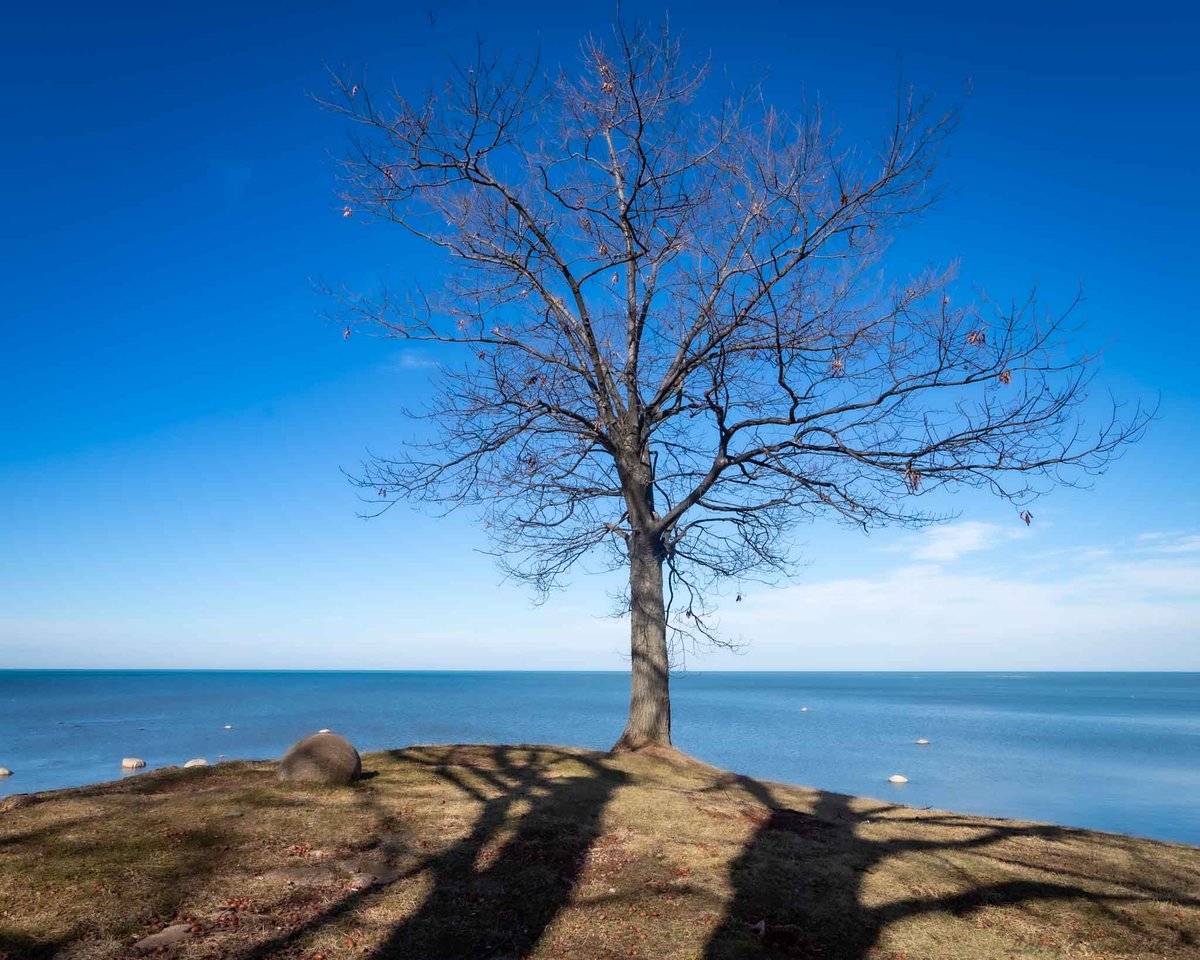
{"type": "Point", "coordinates": [798, 885]}
{"type": "Point", "coordinates": [495, 891]}
{"type": "Point", "coordinates": [506, 904]}
{"type": "Point", "coordinates": [17, 946]}
{"type": "Point", "coordinates": [92, 847]}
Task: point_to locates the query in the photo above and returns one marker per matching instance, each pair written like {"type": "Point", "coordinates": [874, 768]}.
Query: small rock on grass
{"type": "Point", "coordinates": [368, 870]}
{"type": "Point", "coordinates": [164, 938]}
{"type": "Point", "coordinates": [198, 762]}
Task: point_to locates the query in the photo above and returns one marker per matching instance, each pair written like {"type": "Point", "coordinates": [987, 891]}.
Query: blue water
{"type": "Point", "coordinates": [1108, 751]}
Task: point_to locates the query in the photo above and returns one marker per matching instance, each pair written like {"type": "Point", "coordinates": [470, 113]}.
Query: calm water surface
{"type": "Point", "coordinates": [1109, 751]}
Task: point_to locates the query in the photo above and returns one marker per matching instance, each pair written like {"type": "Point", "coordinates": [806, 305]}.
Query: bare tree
{"type": "Point", "coordinates": [670, 337]}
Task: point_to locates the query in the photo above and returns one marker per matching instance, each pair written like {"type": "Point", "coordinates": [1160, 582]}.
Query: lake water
{"type": "Point", "coordinates": [1109, 751]}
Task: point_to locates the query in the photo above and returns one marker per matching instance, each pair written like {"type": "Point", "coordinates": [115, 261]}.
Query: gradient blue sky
{"type": "Point", "coordinates": [174, 414]}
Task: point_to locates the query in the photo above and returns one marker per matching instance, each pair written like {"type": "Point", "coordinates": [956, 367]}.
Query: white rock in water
{"type": "Point", "coordinates": [896, 778]}
{"type": "Point", "coordinates": [922, 742]}
{"type": "Point", "coordinates": [132, 763]}
{"type": "Point", "coordinates": [5, 772]}
{"type": "Point", "coordinates": [229, 726]}
{"type": "Point", "coordinates": [198, 762]}
{"type": "Point", "coordinates": [804, 709]}
{"type": "Point", "coordinates": [325, 730]}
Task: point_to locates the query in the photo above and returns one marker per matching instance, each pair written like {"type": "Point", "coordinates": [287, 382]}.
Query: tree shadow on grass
{"type": "Point", "coordinates": [495, 891]}
{"type": "Point", "coordinates": [481, 906]}
{"type": "Point", "coordinates": [18, 946]}
{"type": "Point", "coordinates": [93, 848]}
{"type": "Point", "coordinates": [798, 883]}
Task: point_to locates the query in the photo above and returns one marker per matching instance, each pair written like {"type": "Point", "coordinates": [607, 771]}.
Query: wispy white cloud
{"type": "Point", "coordinates": [413, 360]}
{"type": "Point", "coordinates": [945, 544]}
{"type": "Point", "coordinates": [1090, 608]}
{"type": "Point", "coordinates": [1175, 543]}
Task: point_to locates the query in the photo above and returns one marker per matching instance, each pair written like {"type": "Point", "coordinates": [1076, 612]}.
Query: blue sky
{"type": "Point", "coordinates": [174, 412]}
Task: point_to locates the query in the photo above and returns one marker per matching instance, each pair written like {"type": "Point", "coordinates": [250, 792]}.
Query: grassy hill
{"type": "Point", "coordinates": [511, 852]}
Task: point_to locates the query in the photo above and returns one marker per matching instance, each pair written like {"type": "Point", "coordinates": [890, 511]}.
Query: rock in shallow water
{"type": "Point", "coordinates": [5, 772]}
{"type": "Point", "coordinates": [132, 763]}
{"type": "Point", "coordinates": [896, 778]}
{"type": "Point", "coordinates": [321, 758]}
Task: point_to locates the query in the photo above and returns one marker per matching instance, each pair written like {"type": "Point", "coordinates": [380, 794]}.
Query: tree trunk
{"type": "Point", "coordinates": [650, 695]}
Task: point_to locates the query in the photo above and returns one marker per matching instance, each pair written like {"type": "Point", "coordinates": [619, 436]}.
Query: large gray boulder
{"type": "Point", "coordinates": [321, 758]}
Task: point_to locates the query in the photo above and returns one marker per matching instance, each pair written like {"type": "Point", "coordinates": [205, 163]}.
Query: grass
{"type": "Point", "coordinates": [511, 852]}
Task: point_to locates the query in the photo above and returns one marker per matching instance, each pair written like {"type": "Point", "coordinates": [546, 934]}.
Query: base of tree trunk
{"type": "Point", "coordinates": [658, 751]}
{"type": "Point", "coordinates": [629, 743]}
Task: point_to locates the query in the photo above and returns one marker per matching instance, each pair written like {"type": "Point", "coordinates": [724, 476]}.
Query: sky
{"type": "Point", "coordinates": [175, 413]}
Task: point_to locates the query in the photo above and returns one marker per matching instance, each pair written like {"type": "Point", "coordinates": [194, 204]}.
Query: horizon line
{"type": "Point", "coordinates": [619, 672]}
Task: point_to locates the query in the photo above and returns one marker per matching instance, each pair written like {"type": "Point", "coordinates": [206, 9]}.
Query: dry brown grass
{"type": "Point", "coordinates": [507, 852]}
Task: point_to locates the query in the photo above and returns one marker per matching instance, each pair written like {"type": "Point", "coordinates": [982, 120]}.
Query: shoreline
{"type": "Point", "coordinates": [167, 773]}
{"type": "Point", "coordinates": [1113, 753]}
